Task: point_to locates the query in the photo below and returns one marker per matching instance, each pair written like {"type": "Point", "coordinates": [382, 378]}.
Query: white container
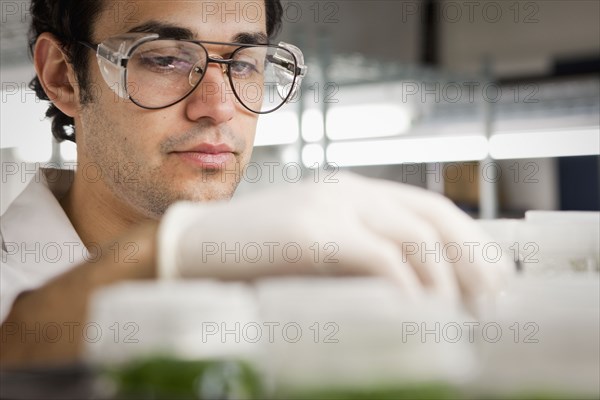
{"type": "Point", "coordinates": [189, 320]}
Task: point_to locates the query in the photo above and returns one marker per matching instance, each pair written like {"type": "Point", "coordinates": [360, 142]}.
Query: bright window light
{"type": "Point", "coordinates": [367, 121]}
{"type": "Point", "coordinates": [22, 121]}
{"type": "Point", "coordinates": [312, 125]}
{"type": "Point", "coordinates": [68, 151]}
{"type": "Point", "coordinates": [538, 144]}
{"type": "Point", "coordinates": [290, 155]}
{"type": "Point", "coordinates": [280, 127]}
{"type": "Point", "coordinates": [39, 150]}
{"type": "Point", "coordinates": [408, 150]}
{"type": "Point", "coordinates": [313, 155]}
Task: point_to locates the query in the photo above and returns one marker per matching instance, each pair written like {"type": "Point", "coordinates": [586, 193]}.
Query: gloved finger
{"type": "Point", "coordinates": [374, 255]}
{"type": "Point", "coordinates": [476, 272]}
{"type": "Point", "coordinates": [415, 239]}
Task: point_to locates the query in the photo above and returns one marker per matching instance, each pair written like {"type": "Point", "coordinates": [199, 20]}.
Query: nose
{"type": "Point", "coordinates": [213, 98]}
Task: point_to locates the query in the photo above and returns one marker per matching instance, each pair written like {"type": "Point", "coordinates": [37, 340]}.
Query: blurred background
{"type": "Point", "coordinates": [495, 104]}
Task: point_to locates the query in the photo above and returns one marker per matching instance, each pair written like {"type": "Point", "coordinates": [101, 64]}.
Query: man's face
{"type": "Point", "coordinates": [151, 158]}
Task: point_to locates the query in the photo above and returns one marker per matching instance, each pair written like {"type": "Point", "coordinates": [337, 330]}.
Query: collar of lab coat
{"type": "Point", "coordinates": [35, 218]}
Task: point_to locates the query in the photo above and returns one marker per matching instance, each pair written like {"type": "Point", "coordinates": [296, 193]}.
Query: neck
{"type": "Point", "coordinates": [97, 215]}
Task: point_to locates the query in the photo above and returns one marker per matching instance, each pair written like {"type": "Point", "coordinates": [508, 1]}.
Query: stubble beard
{"type": "Point", "coordinates": [146, 188]}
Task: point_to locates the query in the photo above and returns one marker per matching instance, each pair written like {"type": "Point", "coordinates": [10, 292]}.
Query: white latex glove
{"type": "Point", "coordinates": [355, 226]}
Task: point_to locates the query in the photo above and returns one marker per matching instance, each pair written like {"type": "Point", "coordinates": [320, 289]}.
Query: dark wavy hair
{"type": "Point", "coordinates": [72, 21]}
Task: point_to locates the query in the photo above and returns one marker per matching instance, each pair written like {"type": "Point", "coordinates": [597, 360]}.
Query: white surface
{"type": "Point", "coordinates": [558, 143]}
{"type": "Point", "coordinates": [551, 243]}
{"type": "Point", "coordinates": [408, 150]}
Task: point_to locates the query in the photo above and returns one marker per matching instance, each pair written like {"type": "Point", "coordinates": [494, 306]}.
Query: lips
{"type": "Point", "coordinates": [211, 148]}
{"type": "Point", "coordinates": [208, 156]}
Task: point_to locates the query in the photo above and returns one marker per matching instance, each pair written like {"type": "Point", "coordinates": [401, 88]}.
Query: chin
{"type": "Point", "coordinates": [205, 192]}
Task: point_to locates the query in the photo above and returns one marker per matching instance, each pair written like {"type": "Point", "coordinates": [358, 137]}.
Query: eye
{"type": "Point", "coordinates": [165, 60]}
{"type": "Point", "coordinates": [165, 64]}
{"type": "Point", "coordinates": [248, 63]}
{"type": "Point", "coordinates": [242, 69]}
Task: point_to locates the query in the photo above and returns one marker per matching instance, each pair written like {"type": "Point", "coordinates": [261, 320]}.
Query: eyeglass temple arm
{"type": "Point", "coordinates": [299, 70]}
{"type": "Point", "coordinates": [89, 45]}
{"type": "Point", "coordinates": [105, 53]}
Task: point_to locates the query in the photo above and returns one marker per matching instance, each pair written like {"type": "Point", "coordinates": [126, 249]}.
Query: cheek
{"type": "Point", "coordinates": [135, 129]}
{"type": "Point", "coordinates": [252, 129]}
{"type": "Point", "coordinates": [246, 129]}
{"type": "Point", "coordinates": [121, 136]}
{"type": "Point", "coordinates": [247, 126]}
{"type": "Point", "coordinates": [143, 134]}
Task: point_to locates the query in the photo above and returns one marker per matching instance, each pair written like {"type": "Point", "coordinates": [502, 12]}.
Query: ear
{"type": "Point", "coordinates": [56, 74]}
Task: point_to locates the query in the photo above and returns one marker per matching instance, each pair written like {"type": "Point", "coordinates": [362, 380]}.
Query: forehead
{"type": "Point", "coordinates": [221, 20]}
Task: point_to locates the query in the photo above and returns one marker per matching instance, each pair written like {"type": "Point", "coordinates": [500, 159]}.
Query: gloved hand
{"type": "Point", "coordinates": [355, 226]}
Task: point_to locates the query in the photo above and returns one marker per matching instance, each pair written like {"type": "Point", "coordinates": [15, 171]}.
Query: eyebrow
{"type": "Point", "coordinates": [177, 32]}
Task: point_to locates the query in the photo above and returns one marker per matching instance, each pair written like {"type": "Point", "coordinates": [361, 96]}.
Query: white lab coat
{"type": "Point", "coordinates": [37, 238]}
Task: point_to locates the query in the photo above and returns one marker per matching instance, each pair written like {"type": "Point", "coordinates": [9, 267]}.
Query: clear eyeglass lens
{"type": "Point", "coordinates": [162, 72]}
{"type": "Point", "coordinates": [158, 72]}
{"type": "Point", "coordinates": [262, 77]}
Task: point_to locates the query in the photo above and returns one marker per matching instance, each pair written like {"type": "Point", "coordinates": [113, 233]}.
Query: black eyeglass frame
{"type": "Point", "coordinates": [298, 68]}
